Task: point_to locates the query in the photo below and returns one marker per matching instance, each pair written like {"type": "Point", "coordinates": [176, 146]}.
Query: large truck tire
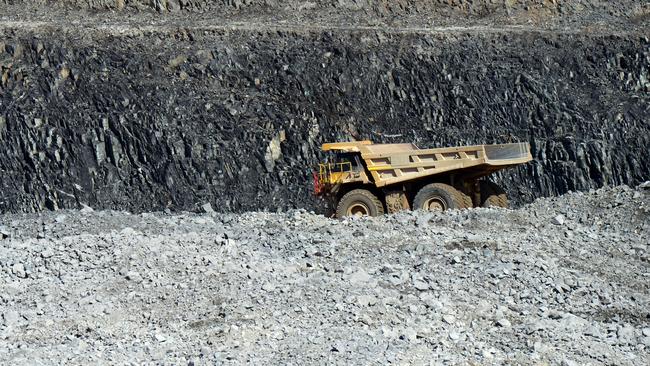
{"type": "Point", "coordinates": [359, 202]}
{"type": "Point", "coordinates": [492, 195]}
{"type": "Point", "coordinates": [440, 197]}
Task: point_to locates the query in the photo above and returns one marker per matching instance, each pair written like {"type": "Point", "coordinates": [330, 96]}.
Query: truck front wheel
{"type": "Point", "coordinates": [359, 202]}
{"type": "Point", "coordinates": [440, 197]}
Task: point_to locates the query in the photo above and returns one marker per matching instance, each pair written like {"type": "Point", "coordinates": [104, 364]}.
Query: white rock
{"type": "Point", "coordinates": [366, 300]}
{"type": "Point", "coordinates": [160, 338]}
{"type": "Point", "coordinates": [207, 208]}
{"type": "Point", "coordinates": [505, 323]}
{"type": "Point", "coordinates": [454, 335]}
{"type": "Point", "coordinates": [448, 318]}
{"type": "Point", "coordinates": [19, 270]}
{"type": "Point", "coordinates": [133, 276]}
{"type": "Point", "coordinates": [4, 233]}
{"type": "Point", "coordinates": [567, 362]}
{"type": "Point", "coordinates": [11, 317]}
{"type": "Point", "coordinates": [626, 335]}
{"type": "Point", "coordinates": [410, 334]}
{"type": "Point", "coordinates": [420, 285]}
{"type": "Point", "coordinates": [360, 277]}
{"type": "Point", "coordinates": [127, 231]}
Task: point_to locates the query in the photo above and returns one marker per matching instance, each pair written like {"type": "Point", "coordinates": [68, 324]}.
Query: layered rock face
{"type": "Point", "coordinates": [138, 115]}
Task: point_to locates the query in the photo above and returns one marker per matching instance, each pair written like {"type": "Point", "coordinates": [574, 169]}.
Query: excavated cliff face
{"type": "Point", "coordinates": [145, 116]}
{"type": "Point", "coordinates": [517, 11]}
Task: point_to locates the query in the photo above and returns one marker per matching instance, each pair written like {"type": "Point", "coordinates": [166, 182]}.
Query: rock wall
{"type": "Point", "coordinates": [370, 7]}
{"type": "Point", "coordinates": [147, 120]}
{"type": "Point", "coordinates": [618, 14]}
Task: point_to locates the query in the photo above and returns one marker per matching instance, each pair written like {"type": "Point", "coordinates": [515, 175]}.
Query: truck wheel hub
{"type": "Point", "coordinates": [358, 209]}
{"type": "Point", "coordinates": [435, 204]}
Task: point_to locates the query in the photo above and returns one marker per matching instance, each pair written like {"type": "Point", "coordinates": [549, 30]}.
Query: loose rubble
{"type": "Point", "coordinates": [480, 286]}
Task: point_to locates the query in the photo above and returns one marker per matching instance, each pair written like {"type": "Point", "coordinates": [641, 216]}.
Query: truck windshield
{"type": "Point", "coordinates": [342, 162]}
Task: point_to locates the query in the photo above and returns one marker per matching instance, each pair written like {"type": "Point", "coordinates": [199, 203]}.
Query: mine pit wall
{"type": "Point", "coordinates": [145, 121]}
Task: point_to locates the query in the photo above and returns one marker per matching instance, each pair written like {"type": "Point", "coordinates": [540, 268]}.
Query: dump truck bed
{"type": "Point", "coordinates": [395, 163]}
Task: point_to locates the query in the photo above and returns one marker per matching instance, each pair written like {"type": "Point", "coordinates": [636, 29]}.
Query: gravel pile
{"type": "Point", "coordinates": [561, 281]}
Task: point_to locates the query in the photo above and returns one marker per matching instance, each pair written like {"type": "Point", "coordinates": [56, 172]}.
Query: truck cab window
{"type": "Point", "coordinates": [345, 162]}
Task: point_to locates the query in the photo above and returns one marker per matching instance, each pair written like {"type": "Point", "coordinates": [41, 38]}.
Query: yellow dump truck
{"type": "Point", "coordinates": [362, 178]}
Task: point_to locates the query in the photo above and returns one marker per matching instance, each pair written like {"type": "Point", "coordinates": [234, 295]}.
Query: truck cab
{"type": "Point", "coordinates": [343, 165]}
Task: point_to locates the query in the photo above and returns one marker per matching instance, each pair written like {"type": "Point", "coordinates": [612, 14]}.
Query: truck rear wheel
{"type": "Point", "coordinates": [359, 202]}
{"type": "Point", "coordinates": [492, 195]}
{"type": "Point", "coordinates": [440, 197]}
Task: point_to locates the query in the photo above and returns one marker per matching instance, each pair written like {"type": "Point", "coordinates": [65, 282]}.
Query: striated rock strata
{"type": "Point", "coordinates": [130, 116]}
